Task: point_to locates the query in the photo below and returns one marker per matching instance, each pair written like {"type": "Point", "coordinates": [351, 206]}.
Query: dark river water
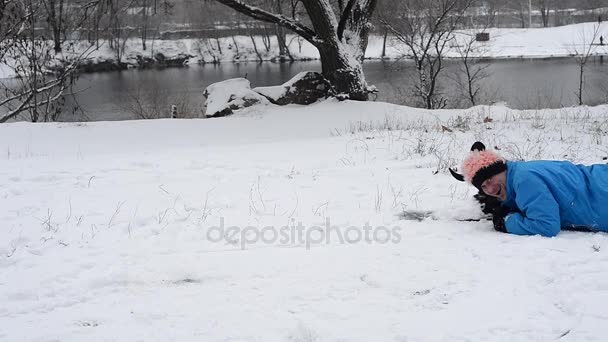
{"type": "Point", "coordinates": [527, 83]}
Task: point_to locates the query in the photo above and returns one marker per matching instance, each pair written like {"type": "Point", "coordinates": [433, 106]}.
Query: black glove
{"type": "Point", "coordinates": [498, 218]}
{"type": "Point", "coordinates": [487, 203]}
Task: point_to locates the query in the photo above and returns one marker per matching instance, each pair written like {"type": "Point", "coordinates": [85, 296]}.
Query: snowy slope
{"type": "Point", "coordinates": [108, 229]}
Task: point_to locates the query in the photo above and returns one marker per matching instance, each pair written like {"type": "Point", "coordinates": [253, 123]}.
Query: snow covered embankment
{"type": "Point", "coordinates": [106, 229]}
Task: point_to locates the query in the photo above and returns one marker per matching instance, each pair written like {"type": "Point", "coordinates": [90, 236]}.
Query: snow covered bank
{"type": "Point", "coordinates": [550, 42]}
{"type": "Point", "coordinates": [106, 229]}
{"type": "Point", "coordinates": [563, 41]}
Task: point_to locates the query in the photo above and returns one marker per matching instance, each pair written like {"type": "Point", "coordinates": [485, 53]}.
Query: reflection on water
{"type": "Point", "coordinates": [520, 83]}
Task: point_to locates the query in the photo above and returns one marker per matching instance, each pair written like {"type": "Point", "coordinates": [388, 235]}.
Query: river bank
{"type": "Point", "coordinates": [553, 42]}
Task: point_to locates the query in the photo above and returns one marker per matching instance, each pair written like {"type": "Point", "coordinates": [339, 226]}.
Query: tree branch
{"type": "Point", "coordinates": [323, 20]}
{"type": "Point", "coordinates": [362, 15]}
{"type": "Point", "coordinates": [345, 15]}
{"type": "Point", "coordinates": [25, 104]}
{"type": "Point", "coordinates": [260, 14]}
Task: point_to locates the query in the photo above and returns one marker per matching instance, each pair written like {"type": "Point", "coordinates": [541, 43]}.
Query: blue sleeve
{"type": "Point", "coordinates": [539, 209]}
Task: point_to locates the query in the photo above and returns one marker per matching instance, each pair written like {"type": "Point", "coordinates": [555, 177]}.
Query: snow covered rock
{"type": "Point", "coordinates": [178, 60]}
{"type": "Point", "coordinates": [102, 65]}
{"type": "Point", "coordinates": [229, 95]}
{"type": "Point", "coordinates": [160, 60]}
{"type": "Point", "coordinates": [305, 88]}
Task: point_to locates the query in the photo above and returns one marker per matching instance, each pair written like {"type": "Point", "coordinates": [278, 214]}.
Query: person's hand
{"type": "Point", "coordinates": [487, 203]}
{"type": "Point", "coordinates": [498, 218]}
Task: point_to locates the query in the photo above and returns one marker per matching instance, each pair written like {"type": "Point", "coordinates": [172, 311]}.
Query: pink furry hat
{"type": "Point", "coordinates": [478, 160]}
{"type": "Point", "coordinates": [480, 165]}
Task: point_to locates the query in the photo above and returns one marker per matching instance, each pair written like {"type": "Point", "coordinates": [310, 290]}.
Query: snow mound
{"type": "Point", "coordinates": [226, 96]}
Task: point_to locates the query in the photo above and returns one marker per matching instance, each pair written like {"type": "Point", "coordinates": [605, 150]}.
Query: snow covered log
{"type": "Point", "coordinates": [223, 98]}
{"type": "Point", "coordinates": [305, 88]}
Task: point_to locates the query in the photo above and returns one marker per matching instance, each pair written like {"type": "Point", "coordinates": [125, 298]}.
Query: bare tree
{"type": "Point", "coordinates": [472, 71]}
{"type": "Point", "coordinates": [545, 8]}
{"type": "Point", "coordinates": [492, 9]}
{"type": "Point", "coordinates": [517, 10]}
{"type": "Point", "coordinates": [292, 8]}
{"type": "Point", "coordinates": [386, 12]}
{"type": "Point", "coordinates": [471, 51]}
{"type": "Point", "coordinates": [55, 18]}
{"type": "Point", "coordinates": [146, 12]}
{"type": "Point", "coordinates": [91, 21]}
{"type": "Point", "coordinates": [252, 36]}
{"type": "Point", "coordinates": [341, 39]}
{"type": "Point", "coordinates": [151, 12]}
{"type": "Point", "coordinates": [426, 28]}
{"type": "Point", "coordinates": [37, 92]}
{"type": "Point", "coordinates": [117, 16]}
{"type": "Point", "coordinates": [13, 17]}
{"type": "Point", "coordinates": [583, 53]}
{"type": "Point", "coordinates": [205, 16]}
{"type": "Point", "coordinates": [153, 101]}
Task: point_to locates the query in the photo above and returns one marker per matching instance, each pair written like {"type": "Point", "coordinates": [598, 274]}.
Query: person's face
{"type": "Point", "coordinates": [496, 186]}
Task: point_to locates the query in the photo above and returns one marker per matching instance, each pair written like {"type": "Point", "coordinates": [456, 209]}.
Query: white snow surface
{"type": "Point", "coordinates": [107, 229]}
{"type": "Point", "coordinates": [228, 93]}
{"type": "Point", "coordinates": [562, 41]}
{"type": "Point", "coordinates": [273, 92]}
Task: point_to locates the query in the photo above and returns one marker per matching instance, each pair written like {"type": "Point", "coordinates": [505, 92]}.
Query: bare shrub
{"type": "Point", "coordinates": [157, 103]}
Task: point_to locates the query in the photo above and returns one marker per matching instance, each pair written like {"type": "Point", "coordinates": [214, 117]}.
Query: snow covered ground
{"type": "Point", "coordinates": [560, 41]}
{"type": "Point", "coordinates": [108, 229]}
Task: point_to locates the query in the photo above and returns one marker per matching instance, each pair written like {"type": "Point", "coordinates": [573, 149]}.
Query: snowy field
{"type": "Point", "coordinates": [562, 41]}
{"type": "Point", "coordinates": [110, 230]}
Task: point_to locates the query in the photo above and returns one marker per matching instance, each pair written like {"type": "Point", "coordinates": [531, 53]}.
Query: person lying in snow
{"type": "Point", "coordinates": [539, 197]}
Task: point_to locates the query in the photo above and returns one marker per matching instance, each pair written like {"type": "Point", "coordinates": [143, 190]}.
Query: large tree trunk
{"type": "Point", "coordinates": [55, 21]}
{"type": "Point", "coordinates": [281, 40]}
{"type": "Point", "coordinates": [341, 43]}
{"type": "Point", "coordinates": [342, 48]}
{"type": "Point", "coordinates": [384, 38]}
{"type": "Point", "coordinates": [544, 12]}
{"type": "Point", "coordinates": [345, 75]}
{"type": "Point", "coordinates": [280, 32]}
{"type": "Point", "coordinates": [144, 24]}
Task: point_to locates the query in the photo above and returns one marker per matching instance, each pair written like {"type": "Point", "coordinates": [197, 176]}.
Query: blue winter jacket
{"type": "Point", "coordinates": [550, 195]}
